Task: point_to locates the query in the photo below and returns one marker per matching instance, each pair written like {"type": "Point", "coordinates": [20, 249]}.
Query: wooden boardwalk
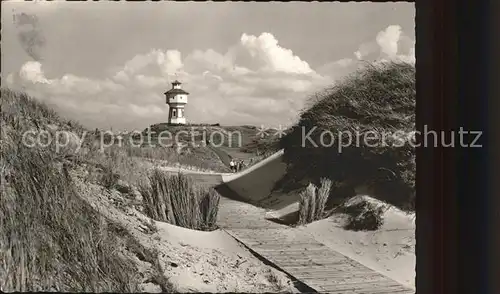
{"type": "Point", "coordinates": [294, 251]}
{"type": "Point", "coordinates": [300, 255]}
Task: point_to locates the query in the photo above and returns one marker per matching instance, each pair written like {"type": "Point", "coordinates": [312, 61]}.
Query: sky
{"type": "Point", "coordinates": [107, 64]}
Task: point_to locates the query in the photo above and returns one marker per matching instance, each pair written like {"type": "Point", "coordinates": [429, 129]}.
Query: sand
{"type": "Point", "coordinates": [389, 250]}
{"type": "Point", "coordinates": [193, 261]}
{"type": "Point", "coordinates": [215, 262]}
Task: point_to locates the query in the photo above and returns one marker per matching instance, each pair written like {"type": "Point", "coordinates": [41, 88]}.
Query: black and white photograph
{"type": "Point", "coordinates": [215, 147]}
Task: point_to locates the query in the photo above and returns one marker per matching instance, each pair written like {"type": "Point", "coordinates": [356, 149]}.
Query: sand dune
{"type": "Point", "coordinates": [389, 250]}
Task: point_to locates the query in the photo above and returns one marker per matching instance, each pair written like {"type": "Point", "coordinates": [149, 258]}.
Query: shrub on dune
{"type": "Point", "coordinates": [378, 100]}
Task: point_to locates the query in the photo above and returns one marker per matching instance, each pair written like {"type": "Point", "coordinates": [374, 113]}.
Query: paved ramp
{"type": "Point", "coordinates": [292, 250]}
{"type": "Point", "coordinates": [256, 182]}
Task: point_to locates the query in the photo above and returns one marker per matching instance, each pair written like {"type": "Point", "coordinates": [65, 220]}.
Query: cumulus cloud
{"type": "Point", "coordinates": [209, 60]}
{"type": "Point", "coordinates": [390, 43]}
{"type": "Point", "coordinates": [273, 57]}
{"type": "Point", "coordinates": [32, 71]}
{"type": "Point", "coordinates": [388, 40]}
{"type": "Point", "coordinates": [367, 50]}
{"type": "Point", "coordinates": [256, 80]}
{"type": "Point", "coordinates": [157, 62]}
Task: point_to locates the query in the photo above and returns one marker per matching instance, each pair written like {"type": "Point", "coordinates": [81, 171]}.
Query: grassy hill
{"type": "Point", "coordinates": [226, 142]}
{"type": "Point", "coordinates": [50, 239]}
{"type": "Point", "coordinates": [222, 136]}
{"type": "Point", "coordinates": [380, 100]}
{"type": "Point", "coordinates": [78, 218]}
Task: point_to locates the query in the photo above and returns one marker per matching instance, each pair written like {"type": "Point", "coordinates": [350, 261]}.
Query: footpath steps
{"type": "Point", "coordinates": [300, 255]}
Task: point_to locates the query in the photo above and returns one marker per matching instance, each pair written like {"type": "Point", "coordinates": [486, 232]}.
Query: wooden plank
{"type": "Point", "coordinates": [294, 252]}
{"type": "Point", "coordinates": [264, 233]}
{"type": "Point", "coordinates": [352, 285]}
{"type": "Point", "coordinates": [277, 239]}
{"type": "Point", "coordinates": [254, 226]}
{"type": "Point", "coordinates": [339, 270]}
{"type": "Point", "coordinates": [270, 233]}
{"type": "Point", "coordinates": [316, 252]}
{"type": "Point", "coordinates": [297, 244]}
{"type": "Point", "coordinates": [314, 268]}
{"type": "Point", "coordinates": [363, 289]}
{"type": "Point", "coordinates": [328, 275]}
{"type": "Point", "coordinates": [374, 285]}
{"type": "Point", "coordinates": [367, 289]}
{"type": "Point", "coordinates": [289, 266]}
{"type": "Point", "coordinates": [389, 291]}
{"type": "Point", "coordinates": [355, 284]}
{"type": "Point", "coordinates": [300, 255]}
{"type": "Point", "coordinates": [345, 275]}
{"type": "Point", "coordinates": [286, 263]}
{"type": "Point", "coordinates": [304, 254]}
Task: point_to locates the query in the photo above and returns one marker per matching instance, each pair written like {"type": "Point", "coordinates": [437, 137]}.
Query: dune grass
{"type": "Point", "coordinates": [312, 202]}
{"type": "Point", "coordinates": [176, 199]}
{"type": "Point", "coordinates": [50, 238]}
{"type": "Point", "coordinates": [380, 99]}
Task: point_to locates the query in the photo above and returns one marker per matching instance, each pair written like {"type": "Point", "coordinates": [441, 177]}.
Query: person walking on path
{"type": "Point", "coordinates": [232, 165]}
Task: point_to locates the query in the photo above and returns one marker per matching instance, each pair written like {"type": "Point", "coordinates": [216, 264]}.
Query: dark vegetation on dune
{"type": "Point", "coordinates": [51, 237]}
{"type": "Point", "coordinates": [379, 98]}
{"type": "Point", "coordinates": [262, 145]}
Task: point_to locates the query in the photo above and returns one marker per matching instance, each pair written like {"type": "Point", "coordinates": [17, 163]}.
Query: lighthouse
{"type": "Point", "coordinates": [176, 99]}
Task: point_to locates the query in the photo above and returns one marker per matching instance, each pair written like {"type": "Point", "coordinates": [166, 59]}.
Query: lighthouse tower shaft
{"type": "Point", "coordinates": [176, 98]}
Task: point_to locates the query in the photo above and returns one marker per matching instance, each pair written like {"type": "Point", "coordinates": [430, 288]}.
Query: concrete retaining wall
{"type": "Point", "coordinates": [257, 182]}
